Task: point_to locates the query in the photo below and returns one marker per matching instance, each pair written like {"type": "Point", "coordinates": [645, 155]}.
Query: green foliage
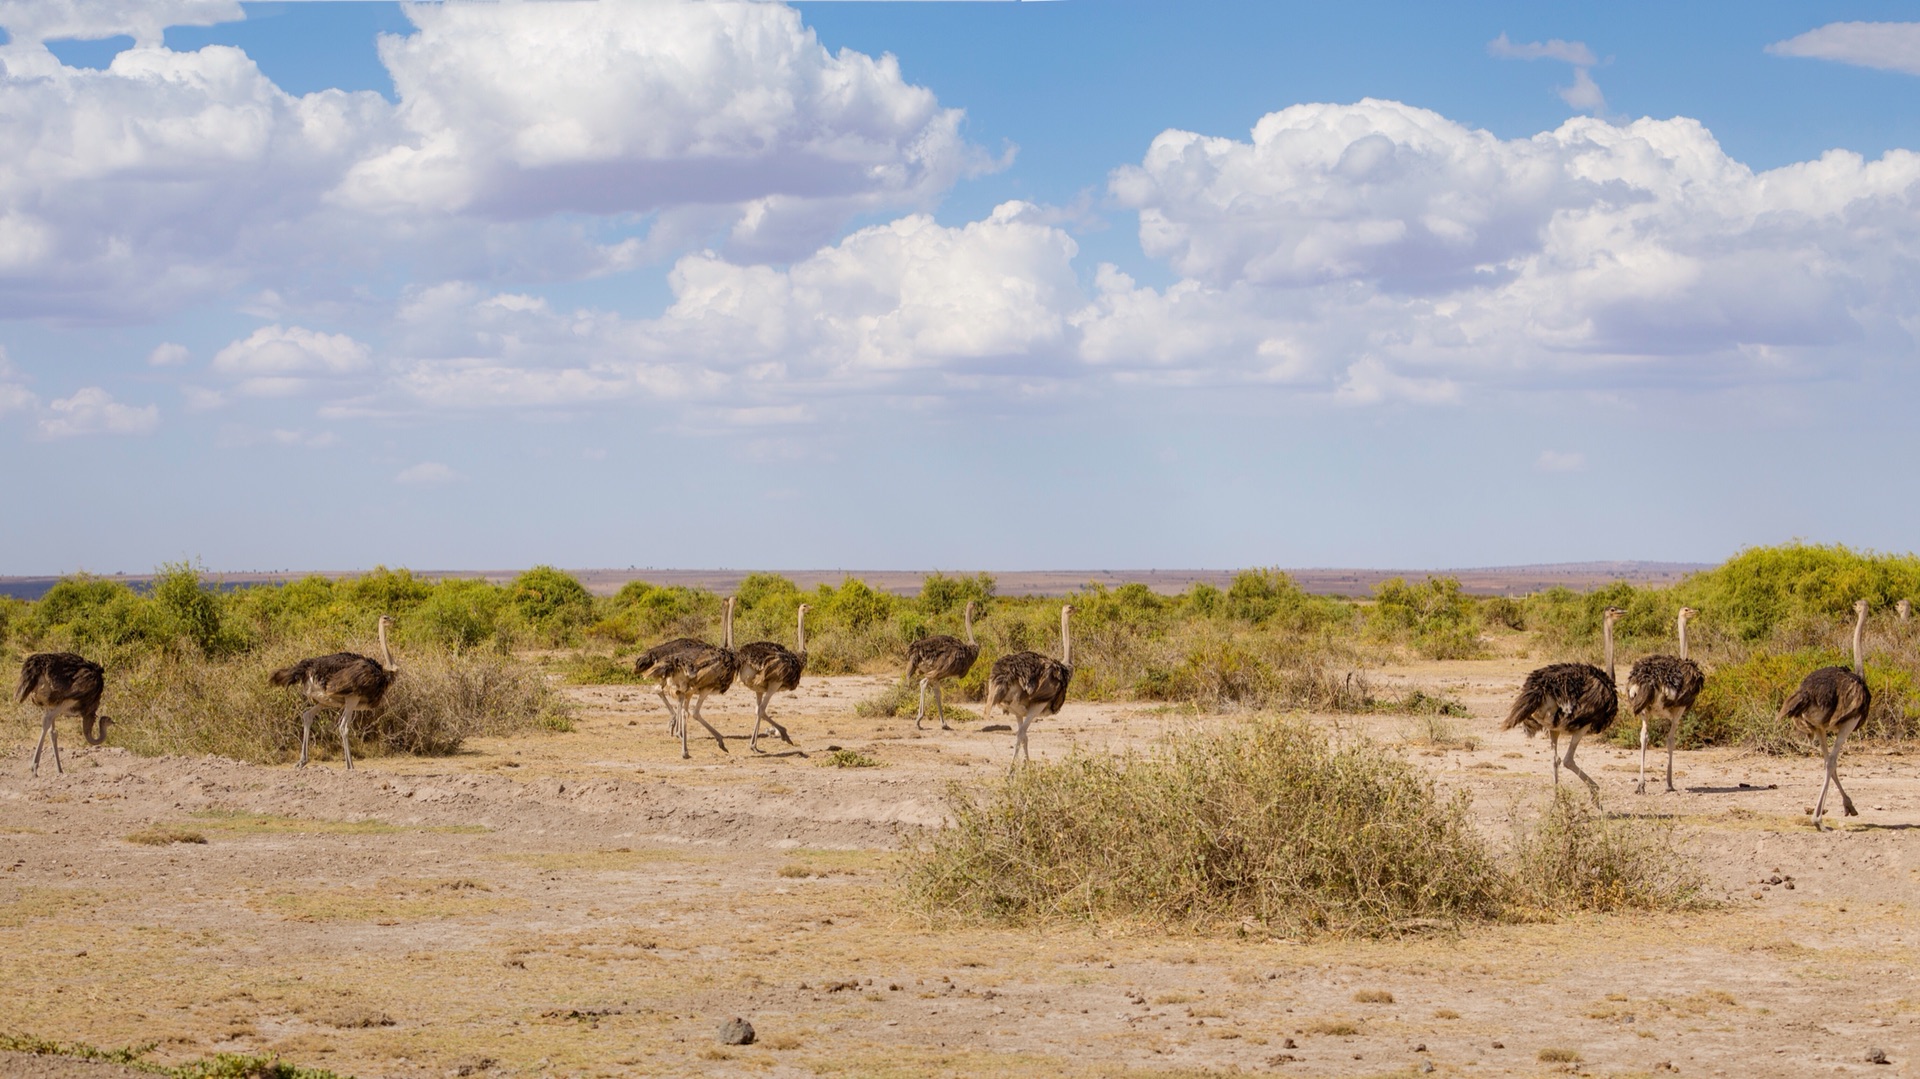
{"type": "Point", "coordinates": [460, 614]}
{"type": "Point", "coordinates": [1268, 597]}
{"type": "Point", "coordinates": [1267, 821]}
{"type": "Point", "coordinates": [1434, 615]}
{"type": "Point", "coordinates": [850, 758]}
{"type": "Point", "coordinates": [193, 612]}
{"type": "Point", "coordinates": [1740, 704]}
{"type": "Point", "coordinates": [940, 593]}
{"type": "Point", "coordinates": [644, 612]}
{"type": "Point", "coordinates": [553, 604]}
{"type": "Point", "coordinates": [1503, 611]}
{"type": "Point", "coordinates": [763, 589]}
{"type": "Point", "coordinates": [1762, 589]}
{"type": "Point", "coordinates": [855, 605]}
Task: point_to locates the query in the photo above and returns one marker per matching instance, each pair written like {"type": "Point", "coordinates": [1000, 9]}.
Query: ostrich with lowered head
{"type": "Point", "coordinates": [1576, 699]}
{"type": "Point", "coordinates": [1030, 685]}
{"type": "Point", "coordinates": [1666, 686]}
{"type": "Point", "coordinates": [697, 673]}
{"type": "Point", "coordinates": [345, 680]}
{"type": "Point", "coordinates": [768, 668]}
{"type": "Point", "coordinates": [936, 659]}
{"type": "Point", "coordinates": [62, 683]}
{"type": "Point", "coordinates": [1830, 703]}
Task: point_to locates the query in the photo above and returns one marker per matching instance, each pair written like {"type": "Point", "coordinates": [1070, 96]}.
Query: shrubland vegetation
{"type": "Point", "coordinates": [182, 650]}
{"type": "Point", "coordinates": [1270, 822]}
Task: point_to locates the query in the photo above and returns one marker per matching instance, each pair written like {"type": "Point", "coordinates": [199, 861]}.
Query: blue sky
{"type": "Point", "coordinates": [1093, 283]}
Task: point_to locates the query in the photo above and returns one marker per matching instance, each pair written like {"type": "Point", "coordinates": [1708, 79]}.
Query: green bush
{"type": "Point", "coordinates": [1762, 589]}
{"type": "Point", "coordinates": [554, 605]}
{"type": "Point", "coordinates": [1434, 616]}
{"type": "Point", "coordinates": [940, 593]}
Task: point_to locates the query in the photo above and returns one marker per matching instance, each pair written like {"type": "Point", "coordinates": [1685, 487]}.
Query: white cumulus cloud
{"type": "Point", "coordinates": [1584, 94]}
{"type": "Point", "coordinates": [169, 355]}
{"type": "Point", "coordinates": [93, 411]}
{"type": "Point", "coordinates": [534, 141]}
{"type": "Point", "coordinates": [1890, 46]}
{"type": "Point", "coordinates": [426, 472]}
{"type": "Point", "coordinates": [1560, 461]}
{"type": "Point", "coordinates": [292, 350]}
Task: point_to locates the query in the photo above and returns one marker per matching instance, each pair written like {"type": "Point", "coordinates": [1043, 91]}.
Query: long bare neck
{"type": "Point", "coordinates": [1066, 642]}
{"type": "Point", "coordinates": [1606, 630]}
{"type": "Point", "coordinates": [800, 633]}
{"type": "Point", "coordinates": [1859, 659]}
{"type": "Point", "coordinates": [386, 655]}
{"type": "Point", "coordinates": [726, 630]}
{"type": "Point", "coordinates": [1683, 636]}
{"type": "Point", "coordinates": [969, 617]}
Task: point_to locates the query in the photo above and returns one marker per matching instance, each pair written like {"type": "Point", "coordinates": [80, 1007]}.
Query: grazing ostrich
{"type": "Point", "coordinates": [1831, 702]}
{"type": "Point", "coordinates": [1577, 698]}
{"type": "Point", "coordinates": [347, 680]}
{"type": "Point", "coordinates": [1666, 686]}
{"type": "Point", "coordinates": [768, 668]}
{"type": "Point", "coordinates": [1029, 685]}
{"type": "Point", "coordinates": [936, 659]}
{"type": "Point", "coordinates": [62, 684]}
{"type": "Point", "coordinates": [697, 673]}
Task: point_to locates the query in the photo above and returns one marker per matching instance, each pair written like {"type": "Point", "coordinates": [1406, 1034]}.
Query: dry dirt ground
{"type": "Point", "coordinates": [590, 904]}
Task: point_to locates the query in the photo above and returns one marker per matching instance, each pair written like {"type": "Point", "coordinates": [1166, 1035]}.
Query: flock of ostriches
{"type": "Point", "coordinates": [1574, 699]}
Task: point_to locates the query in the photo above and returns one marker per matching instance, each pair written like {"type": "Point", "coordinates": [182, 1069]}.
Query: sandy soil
{"type": "Point", "coordinates": [590, 904]}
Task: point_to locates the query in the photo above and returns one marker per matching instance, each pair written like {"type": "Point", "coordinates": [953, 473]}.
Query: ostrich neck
{"type": "Point", "coordinates": [386, 654]}
{"type": "Point", "coordinates": [1859, 660]}
{"type": "Point", "coordinates": [1606, 631]}
{"type": "Point", "coordinates": [1066, 642]}
{"type": "Point", "coordinates": [1683, 638]}
{"type": "Point", "coordinates": [800, 631]}
{"type": "Point", "coordinates": [969, 617]}
{"type": "Point", "coordinates": [727, 628]}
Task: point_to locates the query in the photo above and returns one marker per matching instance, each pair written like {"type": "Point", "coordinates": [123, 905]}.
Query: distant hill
{"type": "Point", "coordinates": [1483, 581]}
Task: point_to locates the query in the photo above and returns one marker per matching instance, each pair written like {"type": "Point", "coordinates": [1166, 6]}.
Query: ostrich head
{"type": "Point", "coordinates": [1860, 608]}
{"type": "Point", "coordinates": [1612, 614]}
{"type": "Point", "coordinates": [1687, 614]}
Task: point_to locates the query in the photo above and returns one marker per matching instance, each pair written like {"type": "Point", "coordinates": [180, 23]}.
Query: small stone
{"type": "Point", "coordinates": [1288, 1044]}
{"type": "Point", "coordinates": [1877, 1056]}
{"type": "Point", "coordinates": [1421, 1048]}
{"type": "Point", "coordinates": [1426, 1067]}
{"type": "Point", "coordinates": [736, 1031]}
{"type": "Point", "coordinates": [1499, 1045]}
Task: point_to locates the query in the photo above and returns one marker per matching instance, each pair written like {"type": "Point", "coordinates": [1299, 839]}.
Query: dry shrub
{"type": "Point", "coordinates": [1266, 821]}
{"type": "Point", "coordinates": [191, 705]}
{"type": "Point", "coordinates": [1574, 858]}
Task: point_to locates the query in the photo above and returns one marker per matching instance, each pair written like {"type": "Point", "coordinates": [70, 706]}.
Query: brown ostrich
{"type": "Point", "coordinates": [936, 659]}
{"type": "Point", "coordinates": [767, 668]}
{"type": "Point", "coordinates": [345, 680]}
{"type": "Point", "coordinates": [1029, 685]}
{"type": "Point", "coordinates": [1830, 703]}
{"type": "Point", "coordinates": [1576, 699]}
{"type": "Point", "coordinates": [62, 683]}
{"type": "Point", "coordinates": [1666, 686]}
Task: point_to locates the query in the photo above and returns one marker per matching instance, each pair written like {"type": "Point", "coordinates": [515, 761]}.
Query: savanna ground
{"type": "Point", "coordinates": [587, 903]}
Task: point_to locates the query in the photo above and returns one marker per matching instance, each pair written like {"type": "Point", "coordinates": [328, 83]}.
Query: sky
{"type": "Point", "coordinates": [1095, 284]}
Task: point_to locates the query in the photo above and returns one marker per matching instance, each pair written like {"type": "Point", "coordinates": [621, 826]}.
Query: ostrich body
{"type": "Point", "coordinates": [1831, 702]}
{"type": "Point", "coordinates": [659, 663]}
{"type": "Point", "coordinates": [697, 673]}
{"type": "Point", "coordinates": [1576, 699]}
{"type": "Point", "coordinates": [936, 659]}
{"type": "Point", "coordinates": [61, 683]}
{"type": "Point", "coordinates": [345, 680]}
{"type": "Point", "coordinates": [1030, 685]}
{"type": "Point", "coordinates": [768, 668]}
{"type": "Point", "coordinates": [1665, 686]}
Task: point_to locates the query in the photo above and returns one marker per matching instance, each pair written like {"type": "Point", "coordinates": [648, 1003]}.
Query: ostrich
{"type": "Point", "coordinates": [659, 662]}
{"type": "Point", "coordinates": [936, 659]}
{"type": "Point", "coordinates": [699, 672]}
{"type": "Point", "coordinates": [768, 668]}
{"type": "Point", "coordinates": [1833, 701]}
{"type": "Point", "coordinates": [1028, 685]}
{"type": "Point", "coordinates": [1904, 609]}
{"type": "Point", "coordinates": [1666, 686]}
{"type": "Point", "coordinates": [1577, 698]}
{"type": "Point", "coordinates": [347, 680]}
{"type": "Point", "coordinates": [62, 684]}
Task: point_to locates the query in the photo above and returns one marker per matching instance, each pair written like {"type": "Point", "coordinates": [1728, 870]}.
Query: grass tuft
{"type": "Point", "coordinates": [1559, 1056]}
{"type": "Point", "coordinates": [161, 835]}
{"type": "Point", "coordinates": [850, 758]}
{"type": "Point", "coordinates": [1574, 858]}
{"type": "Point", "coordinates": [1266, 821]}
{"type": "Point", "coordinates": [1373, 996]}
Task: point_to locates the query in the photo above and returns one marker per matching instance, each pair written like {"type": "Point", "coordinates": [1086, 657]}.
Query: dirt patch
{"type": "Point", "coordinates": [590, 904]}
